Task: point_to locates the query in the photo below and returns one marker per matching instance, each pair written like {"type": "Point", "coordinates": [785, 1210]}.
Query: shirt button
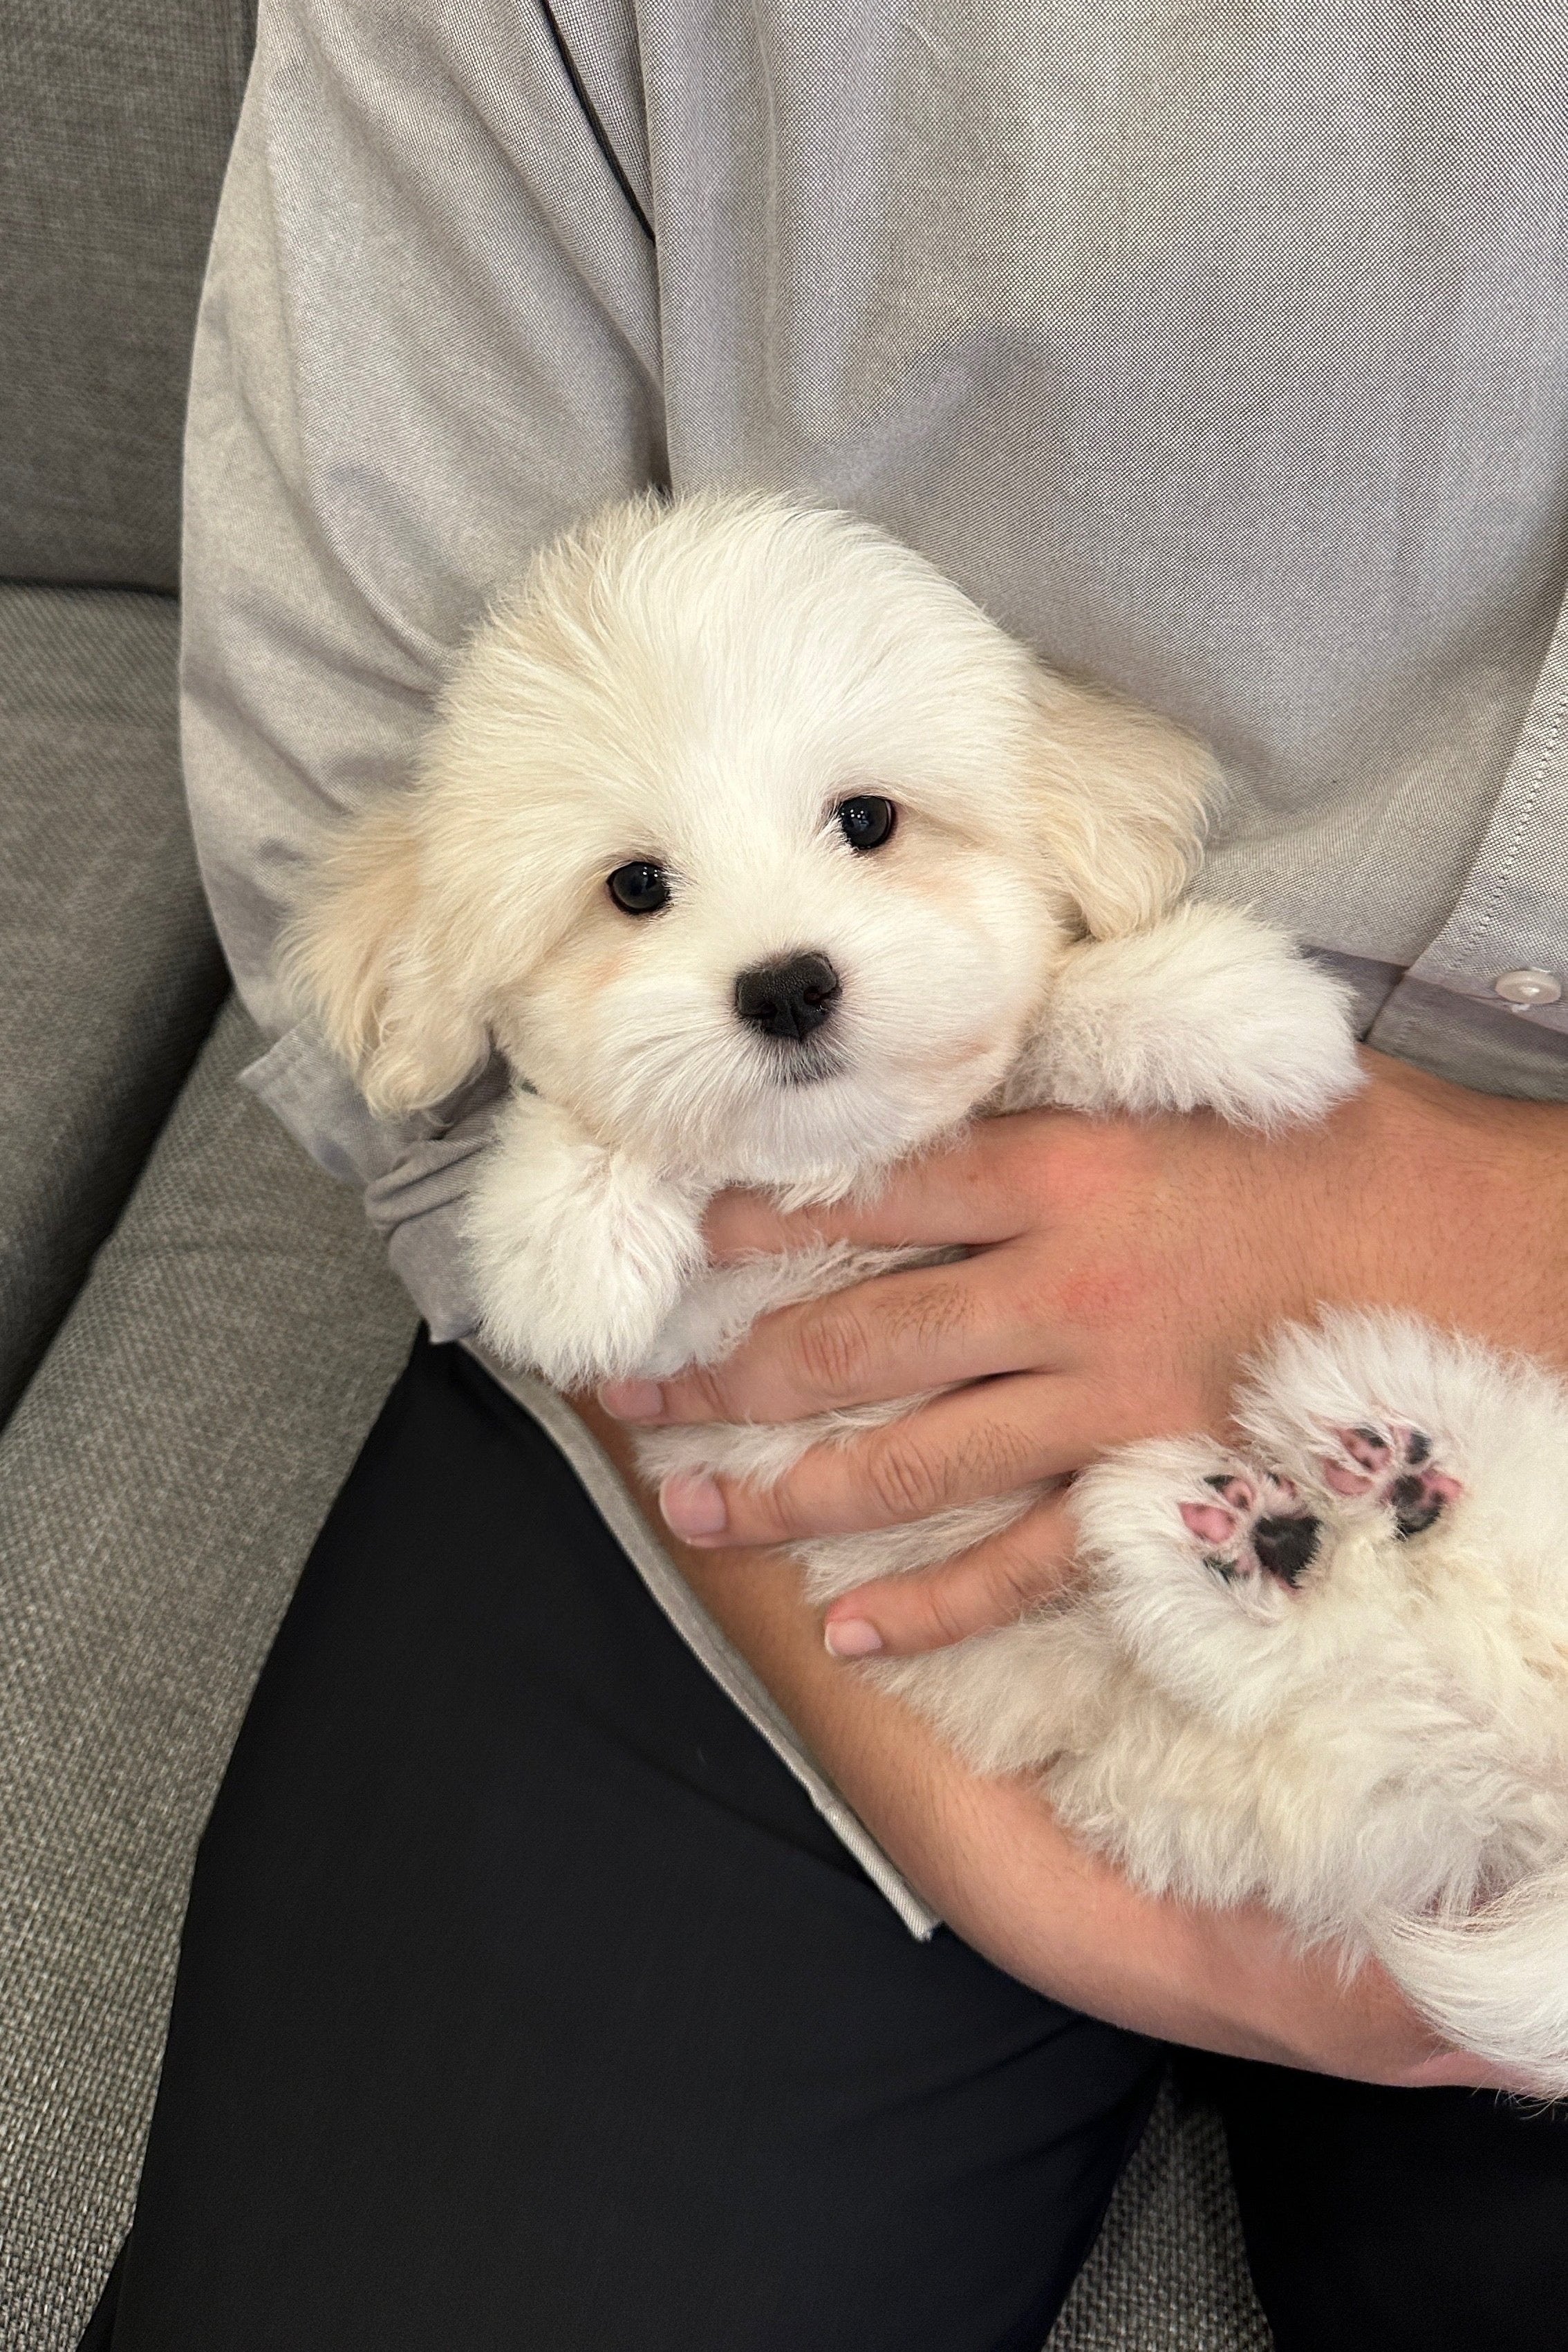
{"type": "Point", "coordinates": [1528, 988]}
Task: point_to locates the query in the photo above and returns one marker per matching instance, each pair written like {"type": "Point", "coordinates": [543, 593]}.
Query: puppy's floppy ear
{"type": "Point", "coordinates": [370, 955]}
{"type": "Point", "coordinates": [1121, 795]}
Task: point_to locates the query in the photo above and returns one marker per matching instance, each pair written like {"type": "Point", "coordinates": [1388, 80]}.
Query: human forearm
{"type": "Point", "coordinates": [990, 1858]}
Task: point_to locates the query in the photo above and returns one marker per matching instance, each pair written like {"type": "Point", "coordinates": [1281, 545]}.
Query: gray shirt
{"type": "Point", "coordinates": [1219, 353]}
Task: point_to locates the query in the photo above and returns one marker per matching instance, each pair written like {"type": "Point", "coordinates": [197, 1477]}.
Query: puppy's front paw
{"type": "Point", "coordinates": [1248, 1522]}
{"type": "Point", "coordinates": [1392, 1467]}
{"type": "Point", "coordinates": [580, 1252]}
{"type": "Point", "coordinates": [1210, 1009]}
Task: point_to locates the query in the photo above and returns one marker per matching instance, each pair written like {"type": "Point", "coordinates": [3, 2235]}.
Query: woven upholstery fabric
{"type": "Point", "coordinates": [115, 118]}
{"type": "Point", "coordinates": [160, 1484]}
{"type": "Point", "coordinates": [109, 975]}
{"type": "Point", "coordinates": [1168, 2272]}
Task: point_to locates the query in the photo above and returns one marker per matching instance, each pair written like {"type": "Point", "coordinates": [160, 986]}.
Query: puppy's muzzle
{"type": "Point", "coordinates": [789, 998]}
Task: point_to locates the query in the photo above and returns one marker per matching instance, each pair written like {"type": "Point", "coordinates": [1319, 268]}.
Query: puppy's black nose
{"type": "Point", "coordinates": [788, 999]}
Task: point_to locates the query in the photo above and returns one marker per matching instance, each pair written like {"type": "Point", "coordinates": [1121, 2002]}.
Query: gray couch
{"type": "Point", "coordinates": [196, 1329]}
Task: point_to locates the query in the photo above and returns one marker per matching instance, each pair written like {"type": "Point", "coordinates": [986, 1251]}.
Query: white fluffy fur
{"type": "Point", "coordinates": [1206, 1010]}
{"type": "Point", "coordinates": [560, 1217]}
{"type": "Point", "coordinates": [1380, 1753]}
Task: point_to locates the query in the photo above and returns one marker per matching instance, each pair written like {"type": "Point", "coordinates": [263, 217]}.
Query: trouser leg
{"type": "Point", "coordinates": [525, 2000]}
{"type": "Point", "coordinates": [1384, 2220]}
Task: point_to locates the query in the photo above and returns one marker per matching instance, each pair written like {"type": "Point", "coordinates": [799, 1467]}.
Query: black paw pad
{"type": "Point", "coordinates": [1416, 1506]}
{"type": "Point", "coordinates": [1286, 1546]}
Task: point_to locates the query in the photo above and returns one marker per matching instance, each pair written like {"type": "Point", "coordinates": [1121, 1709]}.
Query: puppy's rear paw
{"type": "Point", "coordinates": [1252, 1522]}
{"type": "Point", "coordinates": [1392, 1424]}
{"type": "Point", "coordinates": [1393, 1467]}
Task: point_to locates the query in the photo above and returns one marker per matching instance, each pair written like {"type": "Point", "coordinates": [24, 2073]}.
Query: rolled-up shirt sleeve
{"type": "Point", "coordinates": [428, 339]}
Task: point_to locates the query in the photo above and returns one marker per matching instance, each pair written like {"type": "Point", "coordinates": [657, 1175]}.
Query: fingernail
{"type": "Point", "coordinates": [851, 1637]}
{"type": "Point", "coordinates": [632, 1400]}
{"type": "Point", "coordinates": [692, 1505]}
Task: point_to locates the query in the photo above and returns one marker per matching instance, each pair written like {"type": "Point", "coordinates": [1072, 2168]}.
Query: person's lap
{"type": "Point", "coordinates": [1381, 2221]}
{"type": "Point", "coordinates": [525, 2000]}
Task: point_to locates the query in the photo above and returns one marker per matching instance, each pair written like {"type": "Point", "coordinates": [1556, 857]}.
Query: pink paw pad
{"type": "Point", "coordinates": [1217, 1522]}
{"type": "Point", "coordinates": [1253, 1526]}
{"type": "Point", "coordinates": [1393, 1467]}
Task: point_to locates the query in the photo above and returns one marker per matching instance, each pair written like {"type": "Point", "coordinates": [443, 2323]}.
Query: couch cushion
{"type": "Point", "coordinates": [1168, 2272]}
{"type": "Point", "coordinates": [161, 1483]}
{"type": "Point", "coordinates": [115, 119]}
{"type": "Point", "coordinates": [109, 976]}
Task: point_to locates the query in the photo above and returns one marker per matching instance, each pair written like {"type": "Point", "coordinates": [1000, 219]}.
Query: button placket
{"type": "Point", "coordinates": [1507, 939]}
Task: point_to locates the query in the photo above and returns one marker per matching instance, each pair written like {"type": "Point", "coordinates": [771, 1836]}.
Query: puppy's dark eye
{"type": "Point", "coordinates": [868, 822]}
{"type": "Point", "coordinates": [638, 888]}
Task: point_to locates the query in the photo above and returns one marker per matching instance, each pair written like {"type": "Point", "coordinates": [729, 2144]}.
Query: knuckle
{"type": "Point", "coordinates": [766, 1513]}
{"type": "Point", "coordinates": [705, 1389]}
{"type": "Point", "coordinates": [904, 1482]}
{"type": "Point", "coordinates": [1016, 1571]}
{"type": "Point", "coordinates": [946, 1619]}
{"type": "Point", "coordinates": [778, 1520]}
{"type": "Point", "coordinates": [830, 1353]}
{"type": "Point", "coordinates": [1018, 1581]}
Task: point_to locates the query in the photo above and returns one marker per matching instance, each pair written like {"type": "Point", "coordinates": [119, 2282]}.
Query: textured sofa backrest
{"type": "Point", "coordinates": [115, 119]}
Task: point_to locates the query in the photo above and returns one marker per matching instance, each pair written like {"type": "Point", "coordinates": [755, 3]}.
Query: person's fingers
{"type": "Point", "coordinates": [995, 1583]}
{"type": "Point", "coordinates": [990, 1439]}
{"type": "Point", "coordinates": [966, 1194]}
{"type": "Point", "coordinates": [930, 1327]}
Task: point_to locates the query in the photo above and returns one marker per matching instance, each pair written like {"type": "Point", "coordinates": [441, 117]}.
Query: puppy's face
{"type": "Point", "coordinates": [785, 945]}
{"type": "Point", "coordinates": [745, 836]}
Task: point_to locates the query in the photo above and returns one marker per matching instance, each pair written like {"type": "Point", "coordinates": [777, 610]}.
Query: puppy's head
{"type": "Point", "coordinates": [745, 835]}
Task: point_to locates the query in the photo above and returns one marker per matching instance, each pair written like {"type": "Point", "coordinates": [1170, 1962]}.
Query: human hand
{"type": "Point", "coordinates": [1119, 1272]}
{"type": "Point", "coordinates": [997, 1867]}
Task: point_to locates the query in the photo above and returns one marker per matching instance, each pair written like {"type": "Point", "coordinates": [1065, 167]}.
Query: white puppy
{"type": "Point", "coordinates": [764, 858]}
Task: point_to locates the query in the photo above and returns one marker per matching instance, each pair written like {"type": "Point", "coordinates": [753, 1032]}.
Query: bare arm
{"type": "Point", "coordinates": [1119, 1272]}
{"type": "Point", "coordinates": [990, 1858]}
